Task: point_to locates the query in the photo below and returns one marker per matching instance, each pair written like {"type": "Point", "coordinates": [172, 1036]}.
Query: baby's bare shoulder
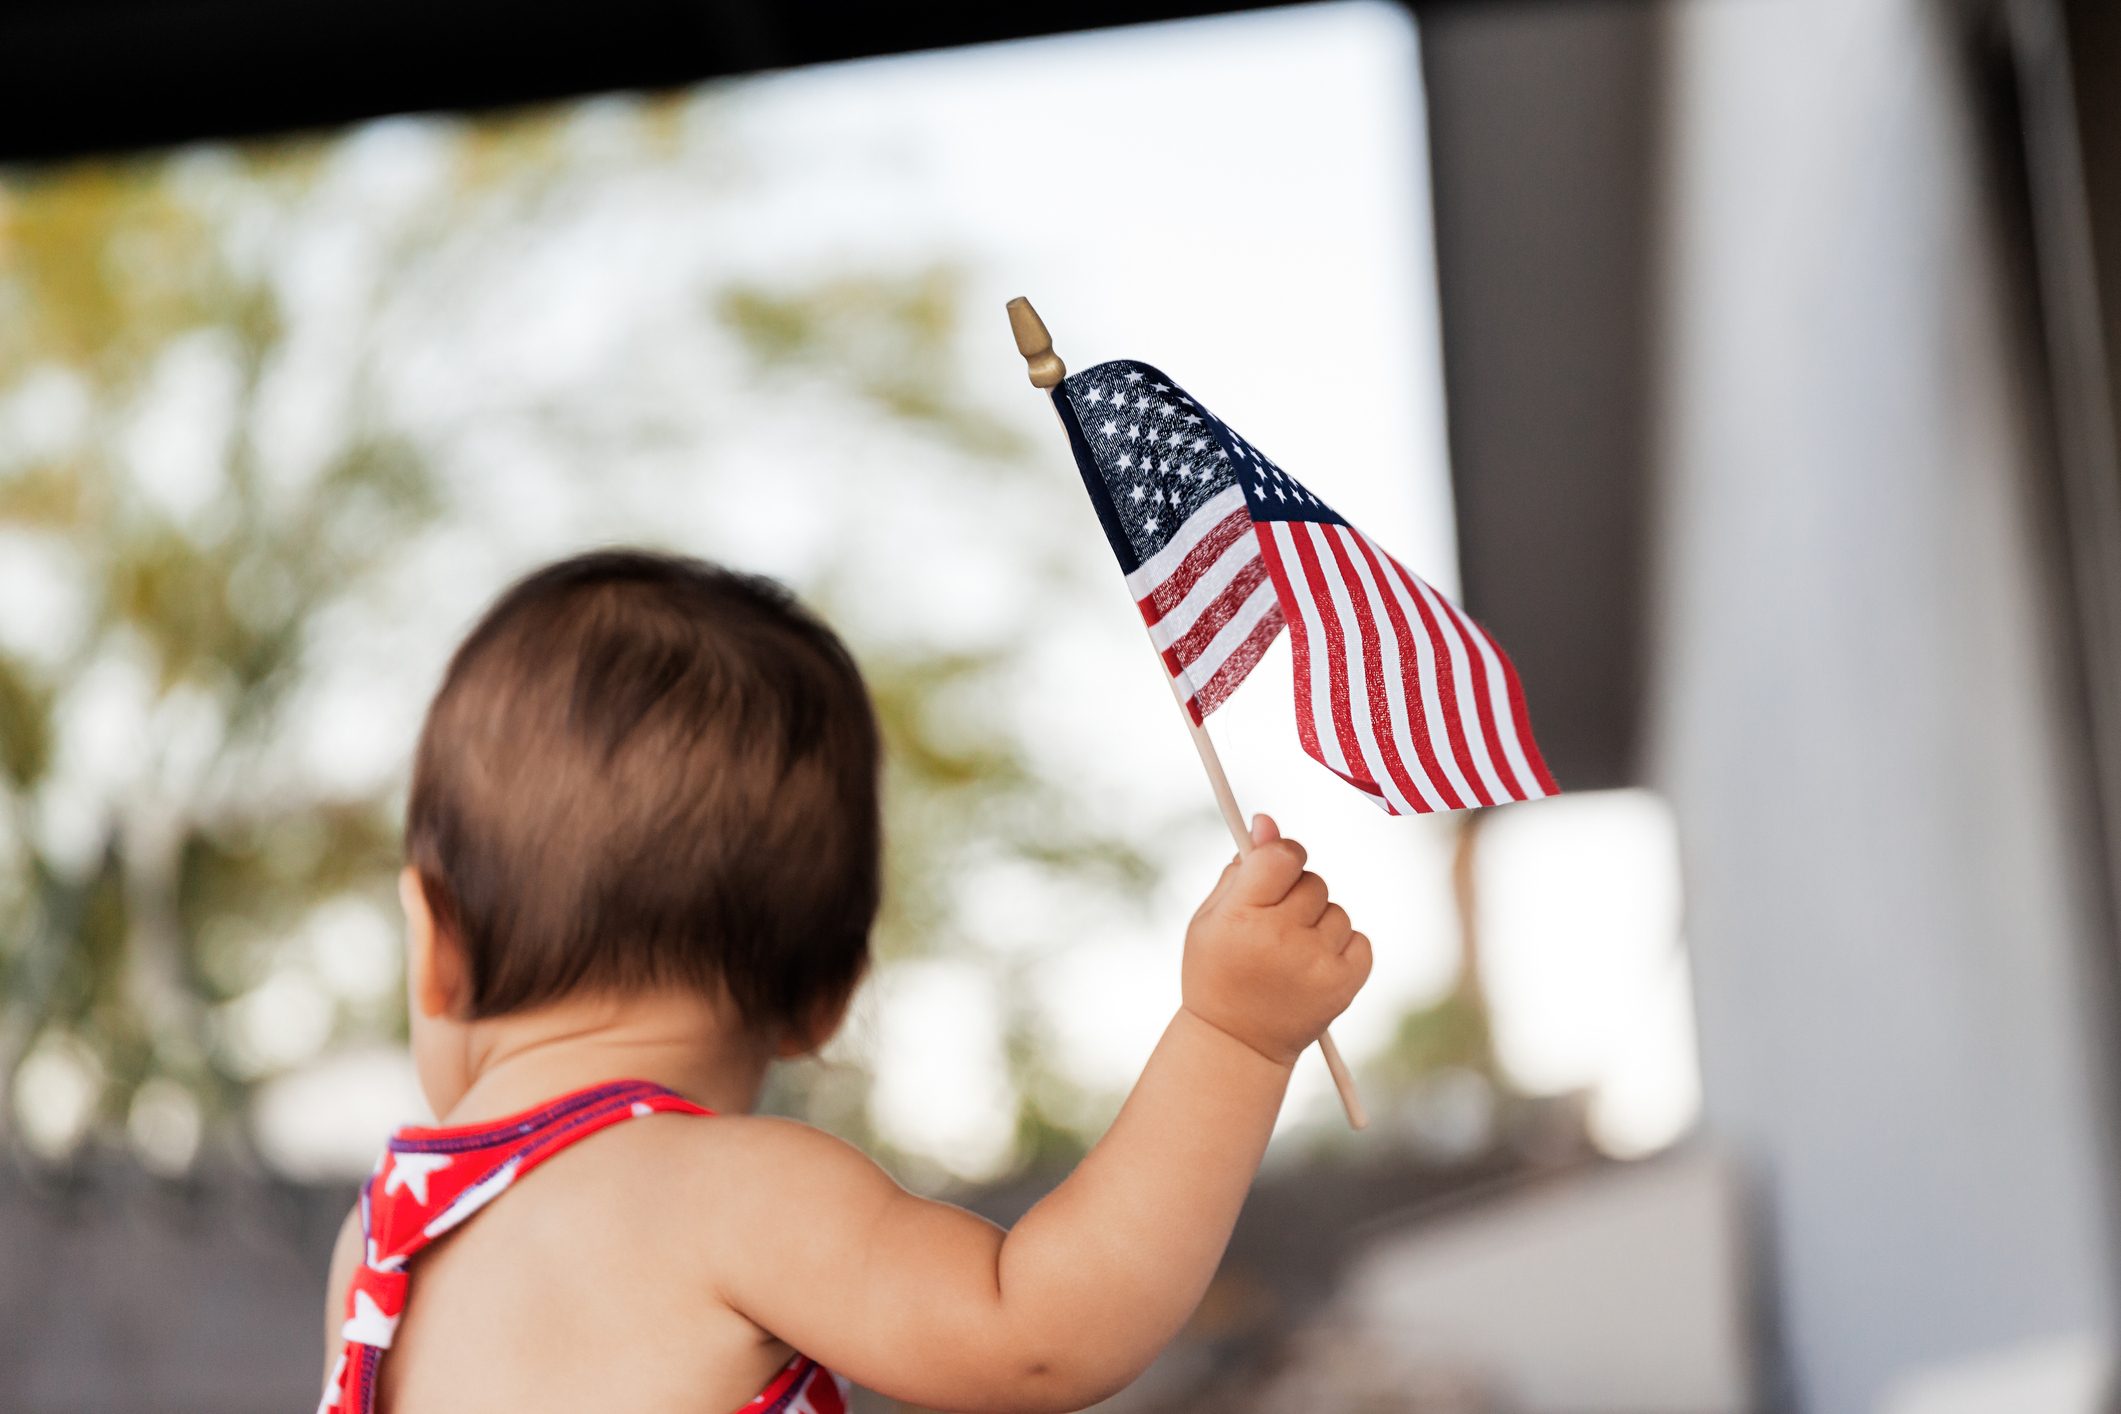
{"type": "Point", "coordinates": [761, 1166]}
{"type": "Point", "coordinates": [696, 1198]}
{"type": "Point", "coordinates": [766, 1149]}
{"type": "Point", "coordinates": [738, 1151]}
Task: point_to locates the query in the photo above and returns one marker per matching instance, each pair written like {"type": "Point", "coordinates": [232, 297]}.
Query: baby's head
{"type": "Point", "coordinates": [641, 774]}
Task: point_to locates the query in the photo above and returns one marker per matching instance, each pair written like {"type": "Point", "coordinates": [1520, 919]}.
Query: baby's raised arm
{"type": "Point", "coordinates": [926, 1303]}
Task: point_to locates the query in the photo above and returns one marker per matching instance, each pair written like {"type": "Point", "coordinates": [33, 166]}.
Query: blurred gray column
{"type": "Point", "coordinates": [1863, 703]}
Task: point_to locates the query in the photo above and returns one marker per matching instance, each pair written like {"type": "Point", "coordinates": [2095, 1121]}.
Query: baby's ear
{"type": "Point", "coordinates": [824, 1021]}
{"type": "Point", "coordinates": [435, 973]}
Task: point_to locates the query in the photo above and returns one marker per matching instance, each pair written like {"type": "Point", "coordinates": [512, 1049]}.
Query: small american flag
{"type": "Point", "coordinates": [1397, 692]}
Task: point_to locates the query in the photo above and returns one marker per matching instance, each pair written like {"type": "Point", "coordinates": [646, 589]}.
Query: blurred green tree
{"type": "Point", "coordinates": [130, 907]}
{"type": "Point", "coordinates": [208, 468]}
{"type": "Point", "coordinates": [156, 854]}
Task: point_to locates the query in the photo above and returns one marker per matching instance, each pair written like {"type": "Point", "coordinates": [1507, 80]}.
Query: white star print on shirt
{"type": "Point", "coordinates": [473, 1198]}
{"type": "Point", "coordinates": [331, 1386]}
{"type": "Point", "coordinates": [368, 1325]}
{"type": "Point", "coordinates": [410, 1172]}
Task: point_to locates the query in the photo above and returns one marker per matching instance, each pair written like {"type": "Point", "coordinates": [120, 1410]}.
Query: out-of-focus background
{"type": "Point", "coordinates": [1742, 364]}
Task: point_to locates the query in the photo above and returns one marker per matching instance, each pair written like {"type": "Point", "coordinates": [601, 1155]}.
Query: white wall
{"type": "Point", "coordinates": [1862, 718]}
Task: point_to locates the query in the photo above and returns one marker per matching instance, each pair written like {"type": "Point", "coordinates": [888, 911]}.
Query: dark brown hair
{"type": "Point", "coordinates": [642, 771]}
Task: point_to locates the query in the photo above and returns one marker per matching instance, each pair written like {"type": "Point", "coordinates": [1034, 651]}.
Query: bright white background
{"type": "Point", "coordinates": [1241, 201]}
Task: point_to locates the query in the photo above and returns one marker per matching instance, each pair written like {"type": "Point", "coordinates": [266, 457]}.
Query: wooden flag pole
{"type": "Point", "coordinates": [1046, 369]}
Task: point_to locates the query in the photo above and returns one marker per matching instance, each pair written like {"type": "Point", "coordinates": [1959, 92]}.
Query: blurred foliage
{"type": "Point", "coordinates": [143, 900]}
{"type": "Point", "coordinates": [119, 888]}
{"type": "Point", "coordinates": [1452, 1033]}
{"type": "Point", "coordinates": [169, 869]}
{"type": "Point", "coordinates": [887, 341]}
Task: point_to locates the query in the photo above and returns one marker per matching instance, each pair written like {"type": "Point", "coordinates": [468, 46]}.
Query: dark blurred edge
{"type": "Point", "coordinates": [2059, 102]}
{"type": "Point", "coordinates": [85, 76]}
{"type": "Point", "coordinates": [1543, 151]}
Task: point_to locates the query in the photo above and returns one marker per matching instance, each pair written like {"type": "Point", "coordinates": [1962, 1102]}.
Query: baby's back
{"type": "Point", "coordinates": [588, 1284]}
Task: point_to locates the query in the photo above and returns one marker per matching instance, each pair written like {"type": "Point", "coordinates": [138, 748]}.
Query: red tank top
{"type": "Point", "coordinates": [430, 1180]}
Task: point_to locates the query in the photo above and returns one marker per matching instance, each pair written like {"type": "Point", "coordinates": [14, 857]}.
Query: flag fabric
{"type": "Point", "coordinates": [1398, 692]}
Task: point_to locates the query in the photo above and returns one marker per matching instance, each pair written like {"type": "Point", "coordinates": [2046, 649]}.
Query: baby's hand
{"type": "Point", "coordinates": [1269, 958]}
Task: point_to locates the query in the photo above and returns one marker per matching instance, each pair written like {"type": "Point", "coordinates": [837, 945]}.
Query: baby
{"type": "Point", "coordinates": [642, 863]}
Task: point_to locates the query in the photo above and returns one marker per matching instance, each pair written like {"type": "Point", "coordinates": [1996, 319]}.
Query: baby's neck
{"type": "Point", "coordinates": [694, 1045]}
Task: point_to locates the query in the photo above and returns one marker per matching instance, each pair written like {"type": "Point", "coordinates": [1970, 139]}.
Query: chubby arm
{"type": "Point", "coordinates": [926, 1303]}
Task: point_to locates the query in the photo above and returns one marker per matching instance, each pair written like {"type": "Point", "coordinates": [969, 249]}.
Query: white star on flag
{"type": "Point", "coordinates": [410, 1172]}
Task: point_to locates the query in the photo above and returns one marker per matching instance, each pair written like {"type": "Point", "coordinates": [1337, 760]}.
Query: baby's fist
{"type": "Point", "coordinates": [1270, 959]}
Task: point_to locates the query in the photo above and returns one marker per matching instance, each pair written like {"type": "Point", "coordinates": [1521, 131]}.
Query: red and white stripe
{"type": "Point", "coordinates": [1397, 692]}
{"type": "Point", "coordinates": [1210, 602]}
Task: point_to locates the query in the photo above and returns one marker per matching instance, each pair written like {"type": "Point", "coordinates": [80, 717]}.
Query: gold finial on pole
{"type": "Point", "coordinates": [1035, 344]}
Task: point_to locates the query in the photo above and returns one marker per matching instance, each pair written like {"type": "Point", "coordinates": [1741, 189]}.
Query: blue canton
{"type": "Point", "coordinates": [1160, 456]}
